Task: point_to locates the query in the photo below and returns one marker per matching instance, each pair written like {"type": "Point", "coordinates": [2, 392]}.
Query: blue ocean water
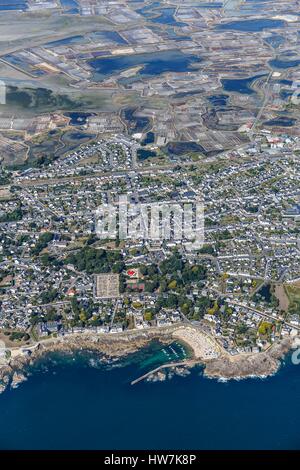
{"type": "Point", "coordinates": [76, 402]}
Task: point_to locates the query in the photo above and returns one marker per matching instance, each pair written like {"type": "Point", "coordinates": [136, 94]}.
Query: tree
{"type": "Point", "coordinates": [118, 267]}
{"type": "Point", "coordinates": [122, 283]}
{"type": "Point", "coordinates": [265, 328]}
{"type": "Point", "coordinates": [137, 305]}
{"type": "Point", "coordinates": [75, 306]}
{"type": "Point", "coordinates": [19, 336]}
{"type": "Point", "coordinates": [172, 301]}
{"type": "Point", "coordinates": [163, 285]}
{"type": "Point", "coordinates": [207, 249]}
{"type": "Point", "coordinates": [82, 316]}
{"type": "Point", "coordinates": [151, 286]}
{"type": "Point", "coordinates": [172, 265]}
{"type": "Point", "coordinates": [185, 309]}
{"type": "Point", "coordinates": [42, 242]}
{"type": "Point", "coordinates": [52, 315]}
{"type": "Point", "coordinates": [152, 270]}
{"type": "Point", "coordinates": [148, 316]}
{"type": "Point", "coordinates": [48, 296]}
{"type": "Point", "coordinates": [242, 329]}
{"type": "Point", "coordinates": [185, 305]}
{"type": "Point", "coordinates": [214, 309]}
{"type": "Point", "coordinates": [172, 285]}
{"type": "Point", "coordinates": [203, 304]}
{"type": "Point", "coordinates": [193, 273]}
{"type": "Point", "coordinates": [96, 261]}
{"type": "Point", "coordinates": [143, 270]}
{"type": "Point", "coordinates": [13, 216]}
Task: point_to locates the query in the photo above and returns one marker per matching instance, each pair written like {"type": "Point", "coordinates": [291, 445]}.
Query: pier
{"type": "Point", "coordinates": [164, 366]}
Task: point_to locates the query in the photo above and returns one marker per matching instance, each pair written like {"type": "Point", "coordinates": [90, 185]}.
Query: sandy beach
{"type": "Point", "coordinates": [203, 346]}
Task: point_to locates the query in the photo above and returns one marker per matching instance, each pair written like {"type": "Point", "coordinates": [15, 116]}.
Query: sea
{"type": "Point", "coordinates": [81, 401]}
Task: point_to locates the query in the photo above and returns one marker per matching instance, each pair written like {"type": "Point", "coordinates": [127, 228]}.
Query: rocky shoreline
{"type": "Point", "coordinates": [112, 347]}
{"type": "Point", "coordinates": [261, 364]}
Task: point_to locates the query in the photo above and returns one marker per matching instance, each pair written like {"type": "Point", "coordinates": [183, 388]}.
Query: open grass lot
{"type": "Point", "coordinates": [293, 293]}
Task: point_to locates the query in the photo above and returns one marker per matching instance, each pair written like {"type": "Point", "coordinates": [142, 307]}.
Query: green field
{"type": "Point", "coordinates": [293, 293]}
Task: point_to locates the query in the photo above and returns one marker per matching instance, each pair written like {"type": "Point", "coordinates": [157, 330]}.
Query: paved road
{"type": "Point", "coordinates": [266, 315]}
{"type": "Point", "coordinates": [139, 170]}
